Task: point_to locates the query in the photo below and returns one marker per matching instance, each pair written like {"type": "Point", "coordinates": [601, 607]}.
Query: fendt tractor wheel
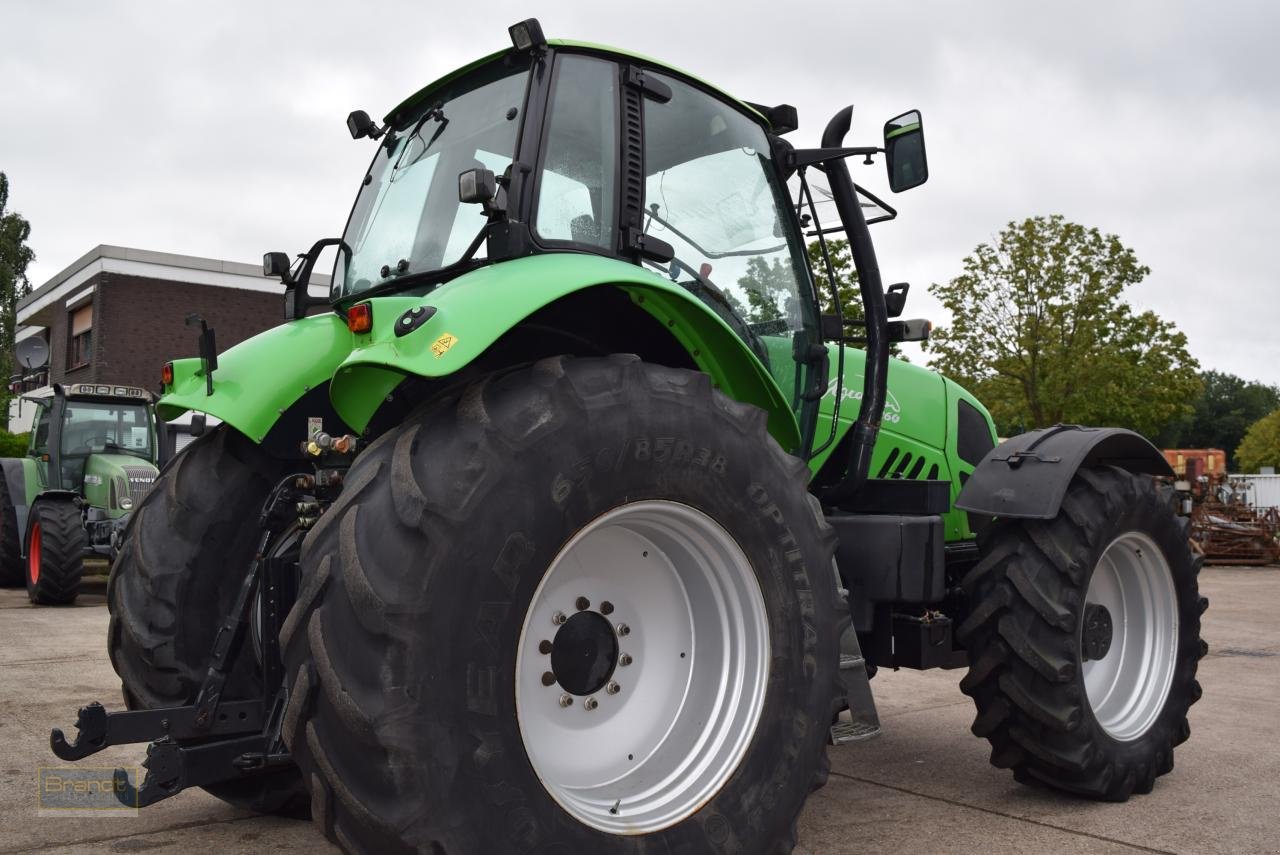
{"type": "Point", "coordinates": [185, 552]}
{"type": "Point", "coordinates": [587, 606]}
{"type": "Point", "coordinates": [12, 568]}
{"type": "Point", "coordinates": [1085, 637]}
{"type": "Point", "coordinates": [55, 552]}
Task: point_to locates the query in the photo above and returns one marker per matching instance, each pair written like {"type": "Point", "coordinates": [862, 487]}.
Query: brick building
{"type": "Point", "coordinates": [116, 315]}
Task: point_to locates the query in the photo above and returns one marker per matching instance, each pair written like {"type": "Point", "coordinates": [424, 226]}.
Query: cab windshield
{"type": "Point", "coordinates": [91, 427]}
{"type": "Point", "coordinates": [407, 219]}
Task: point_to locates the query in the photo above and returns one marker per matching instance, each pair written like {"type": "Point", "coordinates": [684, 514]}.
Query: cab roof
{"type": "Point", "coordinates": [422, 94]}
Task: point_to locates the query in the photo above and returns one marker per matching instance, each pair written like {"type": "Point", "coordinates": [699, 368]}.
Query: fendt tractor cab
{"type": "Point", "coordinates": [567, 522]}
{"type": "Point", "coordinates": [93, 455]}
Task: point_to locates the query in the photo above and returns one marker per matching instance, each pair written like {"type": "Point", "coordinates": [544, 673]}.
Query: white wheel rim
{"type": "Point", "coordinates": [687, 703]}
{"type": "Point", "coordinates": [1128, 686]}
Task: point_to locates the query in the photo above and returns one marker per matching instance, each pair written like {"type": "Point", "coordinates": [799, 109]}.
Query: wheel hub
{"type": "Point", "coordinates": [584, 653]}
{"type": "Point", "coordinates": [1129, 636]}
{"type": "Point", "coordinates": [641, 667]}
{"type": "Point", "coordinates": [1095, 641]}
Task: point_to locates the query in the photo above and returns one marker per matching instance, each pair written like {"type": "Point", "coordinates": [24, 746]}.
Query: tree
{"type": "Point", "coordinates": [767, 284]}
{"type": "Point", "coordinates": [1041, 334]}
{"type": "Point", "coordinates": [1261, 445]}
{"type": "Point", "coordinates": [15, 255]}
{"type": "Point", "coordinates": [846, 279]}
{"type": "Point", "coordinates": [1222, 413]}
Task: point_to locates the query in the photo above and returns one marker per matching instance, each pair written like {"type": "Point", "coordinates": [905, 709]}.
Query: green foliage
{"type": "Point", "coordinates": [846, 279]}
{"type": "Point", "coordinates": [13, 444]}
{"type": "Point", "coordinates": [1222, 413]}
{"type": "Point", "coordinates": [1261, 445]}
{"type": "Point", "coordinates": [767, 285]}
{"type": "Point", "coordinates": [15, 255]}
{"type": "Point", "coordinates": [1041, 334]}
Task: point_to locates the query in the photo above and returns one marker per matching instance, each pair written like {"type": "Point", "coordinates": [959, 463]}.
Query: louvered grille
{"type": "Point", "coordinates": [141, 480]}
{"type": "Point", "coordinates": [905, 465]}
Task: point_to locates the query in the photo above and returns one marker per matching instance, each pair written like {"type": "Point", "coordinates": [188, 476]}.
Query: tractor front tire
{"type": "Point", "coordinates": [1084, 637]}
{"type": "Point", "coordinates": [55, 552]}
{"type": "Point", "coordinates": [12, 568]}
{"type": "Point", "coordinates": [185, 553]}
{"type": "Point", "coordinates": [585, 606]}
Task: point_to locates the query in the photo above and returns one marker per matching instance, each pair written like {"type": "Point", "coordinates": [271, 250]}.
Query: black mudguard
{"type": "Point", "coordinates": [1027, 476]}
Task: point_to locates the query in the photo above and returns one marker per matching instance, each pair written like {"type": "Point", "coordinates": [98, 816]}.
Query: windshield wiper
{"type": "Point", "coordinates": [436, 113]}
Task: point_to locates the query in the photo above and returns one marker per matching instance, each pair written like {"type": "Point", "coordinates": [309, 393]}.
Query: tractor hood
{"type": "Point", "coordinates": [110, 478]}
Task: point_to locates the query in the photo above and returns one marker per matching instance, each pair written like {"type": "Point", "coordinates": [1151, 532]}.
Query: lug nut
{"type": "Point", "coordinates": [566, 700]}
{"type": "Point", "coordinates": [590, 703]}
{"type": "Point", "coordinates": [623, 629]}
{"type": "Point", "coordinates": [558, 618]}
{"type": "Point", "coordinates": [625, 659]}
{"type": "Point", "coordinates": [606, 608]}
{"type": "Point", "coordinates": [582, 603]}
{"type": "Point", "coordinates": [548, 679]}
{"type": "Point", "coordinates": [613, 688]}
{"type": "Point", "coordinates": [544, 647]}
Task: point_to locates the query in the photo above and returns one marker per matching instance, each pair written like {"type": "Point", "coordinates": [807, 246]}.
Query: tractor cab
{"type": "Point", "coordinates": [97, 440]}
{"type": "Point", "coordinates": [565, 149]}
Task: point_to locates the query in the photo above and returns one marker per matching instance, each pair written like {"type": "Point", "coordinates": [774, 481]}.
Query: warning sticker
{"type": "Point", "coordinates": [441, 345]}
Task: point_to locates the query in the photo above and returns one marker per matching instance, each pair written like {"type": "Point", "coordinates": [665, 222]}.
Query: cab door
{"type": "Point", "coordinates": [713, 192]}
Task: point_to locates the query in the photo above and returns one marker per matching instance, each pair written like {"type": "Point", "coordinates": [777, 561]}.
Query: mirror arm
{"type": "Point", "coordinates": [797, 158]}
{"type": "Point", "coordinates": [297, 300]}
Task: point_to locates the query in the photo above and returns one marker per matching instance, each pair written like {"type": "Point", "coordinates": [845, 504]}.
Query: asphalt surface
{"type": "Point", "coordinates": [923, 786]}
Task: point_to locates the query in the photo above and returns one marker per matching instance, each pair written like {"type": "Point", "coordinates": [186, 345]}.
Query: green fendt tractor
{"type": "Point", "coordinates": [92, 457]}
{"type": "Point", "coordinates": [566, 523]}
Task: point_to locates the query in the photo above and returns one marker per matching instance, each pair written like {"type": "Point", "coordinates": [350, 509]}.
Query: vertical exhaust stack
{"type": "Point", "coordinates": [875, 380]}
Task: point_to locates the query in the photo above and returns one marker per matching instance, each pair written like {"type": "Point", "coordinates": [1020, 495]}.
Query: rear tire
{"type": "Point", "coordinates": [55, 552]}
{"type": "Point", "coordinates": [412, 674]}
{"type": "Point", "coordinates": [1084, 638]}
{"type": "Point", "coordinates": [185, 552]}
{"type": "Point", "coordinates": [13, 570]}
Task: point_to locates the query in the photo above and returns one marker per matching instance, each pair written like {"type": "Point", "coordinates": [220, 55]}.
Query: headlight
{"type": "Point", "coordinates": [126, 503]}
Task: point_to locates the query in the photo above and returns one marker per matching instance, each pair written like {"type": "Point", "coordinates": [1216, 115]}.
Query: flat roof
{"type": "Point", "coordinates": [151, 264]}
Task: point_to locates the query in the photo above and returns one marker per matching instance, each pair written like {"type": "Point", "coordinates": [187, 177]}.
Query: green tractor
{"type": "Point", "coordinates": [568, 523]}
{"type": "Point", "coordinates": [93, 455]}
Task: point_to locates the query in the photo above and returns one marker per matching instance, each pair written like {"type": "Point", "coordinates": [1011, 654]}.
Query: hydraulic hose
{"type": "Point", "coordinates": [875, 379]}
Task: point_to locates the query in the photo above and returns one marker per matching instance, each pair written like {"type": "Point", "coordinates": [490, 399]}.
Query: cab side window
{"type": "Point", "coordinates": [575, 189]}
{"type": "Point", "coordinates": [40, 433]}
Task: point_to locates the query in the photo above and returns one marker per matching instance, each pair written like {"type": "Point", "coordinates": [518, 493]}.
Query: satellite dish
{"type": "Point", "coordinates": [33, 352]}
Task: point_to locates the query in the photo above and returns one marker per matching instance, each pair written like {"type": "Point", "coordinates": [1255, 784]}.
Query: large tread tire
{"type": "Point", "coordinates": [55, 552]}
{"type": "Point", "coordinates": [401, 710]}
{"type": "Point", "coordinates": [1027, 595]}
{"type": "Point", "coordinates": [185, 552]}
{"type": "Point", "coordinates": [13, 571]}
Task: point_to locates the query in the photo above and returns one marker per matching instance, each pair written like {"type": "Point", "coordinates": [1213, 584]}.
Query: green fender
{"type": "Point", "coordinates": [259, 379]}
{"type": "Point", "coordinates": [475, 310]}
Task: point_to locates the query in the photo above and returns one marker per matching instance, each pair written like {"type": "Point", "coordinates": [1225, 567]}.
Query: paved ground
{"type": "Point", "coordinates": [924, 786]}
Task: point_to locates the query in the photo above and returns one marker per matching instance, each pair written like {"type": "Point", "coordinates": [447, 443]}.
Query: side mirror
{"type": "Point", "coordinates": [276, 264]}
{"type": "Point", "coordinates": [904, 152]}
{"type": "Point", "coordinates": [198, 424]}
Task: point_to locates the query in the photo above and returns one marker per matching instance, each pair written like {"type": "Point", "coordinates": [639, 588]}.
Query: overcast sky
{"type": "Point", "coordinates": [217, 129]}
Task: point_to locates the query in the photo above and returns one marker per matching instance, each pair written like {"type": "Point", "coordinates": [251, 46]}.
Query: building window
{"type": "Point", "coordinates": [80, 345]}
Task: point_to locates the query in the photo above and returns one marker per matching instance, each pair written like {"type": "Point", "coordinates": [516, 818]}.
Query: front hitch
{"type": "Point", "coordinates": [212, 739]}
